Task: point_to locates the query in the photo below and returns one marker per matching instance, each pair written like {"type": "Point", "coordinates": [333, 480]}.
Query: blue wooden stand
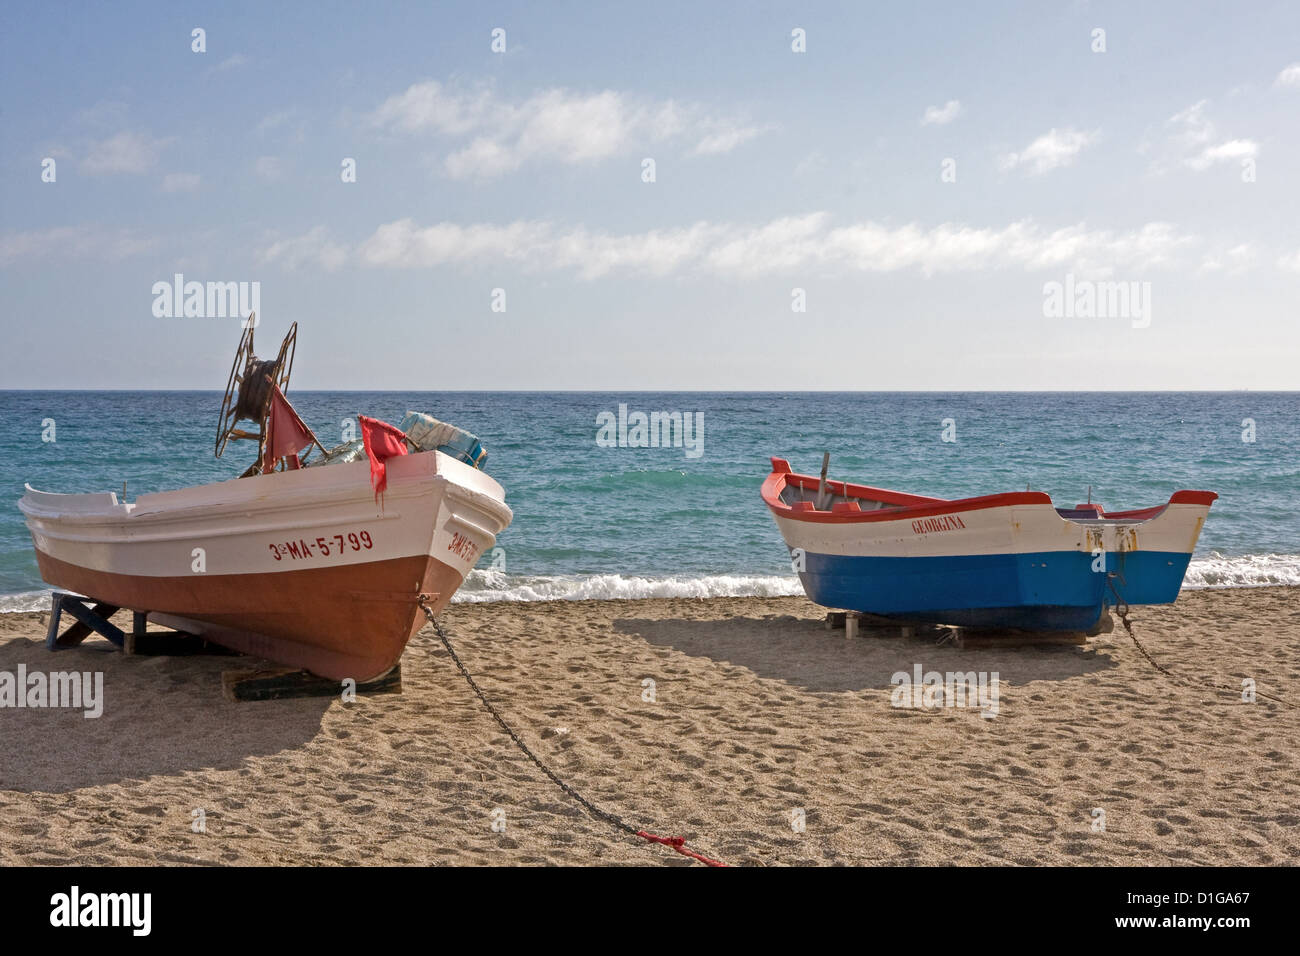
{"type": "Point", "coordinates": [92, 617]}
{"type": "Point", "coordinates": [89, 618]}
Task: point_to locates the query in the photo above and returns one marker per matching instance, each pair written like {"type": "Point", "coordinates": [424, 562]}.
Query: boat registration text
{"type": "Point", "coordinates": [463, 547]}
{"type": "Point", "coordinates": [321, 547]}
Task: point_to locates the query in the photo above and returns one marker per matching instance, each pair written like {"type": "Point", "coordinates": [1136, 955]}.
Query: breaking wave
{"type": "Point", "coordinates": [1243, 571]}
{"type": "Point", "coordinates": [25, 601]}
{"type": "Point", "coordinates": [1211, 571]}
{"type": "Point", "coordinates": [482, 586]}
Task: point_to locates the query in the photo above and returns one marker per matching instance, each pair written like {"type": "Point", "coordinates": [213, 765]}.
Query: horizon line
{"type": "Point", "coordinates": [686, 390]}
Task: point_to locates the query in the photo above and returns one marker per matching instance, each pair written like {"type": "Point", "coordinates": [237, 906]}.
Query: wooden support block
{"type": "Point", "coordinates": [859, 623]}
{"type": "Point", "coordinates": [972, 639]}
{"type": "Point", "coordinates": [284, 683]}
{"type": "Point", "coordinates": [178, 644]}
{"type": "Point", "coordinates": [139, 629]}
{"type": "Point", "coordinates": [876, 620]}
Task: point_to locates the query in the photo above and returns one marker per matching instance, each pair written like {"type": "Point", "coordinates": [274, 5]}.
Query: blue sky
{"type": "Point", "coordinates": [1168, 159]}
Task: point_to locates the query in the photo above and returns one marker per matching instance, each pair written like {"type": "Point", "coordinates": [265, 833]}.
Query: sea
{"type": "Point", "coordinates": [598, 515]}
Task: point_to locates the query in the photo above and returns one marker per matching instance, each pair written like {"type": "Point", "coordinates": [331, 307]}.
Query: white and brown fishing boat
{"type": "Point", "coordinates": [305, 565]}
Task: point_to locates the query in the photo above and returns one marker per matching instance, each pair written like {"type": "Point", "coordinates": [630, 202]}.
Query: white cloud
{"type": "Point", "coordinates": [939, 115]}
{"type": "Point", "coordinates": [315, 248]}
{"type": "Point", "coordinates": [727, 250]}
{"type": "Point", "coordinates": [580, 128]}
{"type": "Point", "coordinates": [1290, 262]}
{"type": "Point", "coordinates": [780, 245]}
{"type": "Point", "coordinates": [124, 153]}
{"type": "Point", "coordinates": [727, 136]}
{"type": "Point", "coordinates": [659, 252]}
{"type": "Point", "coordinates": [1191, 126]}
{"type": "Point", "coordinates": [785, 243]}
{"type": "Point", "coordinates": [232, 62]}
{"type": "Point", "coordinates": [428, 107]}
{"type": "Point", "coordinates": [557, 125]}
{"type": "Point", "coordinates": [1232, 261]}
{"type": "Point", "coordinates": [82, 242]}
{"type": "Point", "coordinates": [952, 247]}
{"type": "Point", "coordinates": [180, 182]}
{"type": "Point", "coordinates": [1232, 150]}
{"type": "Point", "coordinates": [1289, 77]}
{"type": "Point", "coordinates": [1191, 142]}
{"type": "Point", "coordinates": [1053, 149]}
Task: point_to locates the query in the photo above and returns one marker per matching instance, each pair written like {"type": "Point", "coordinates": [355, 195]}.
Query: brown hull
{"type": "Point", "coordinates": [343, 622]}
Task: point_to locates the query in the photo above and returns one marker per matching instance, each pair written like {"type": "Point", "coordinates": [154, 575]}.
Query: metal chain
{"type": "Point", "coordinates": [1122, 609]}
{"type": "Point", "coordinates": [595, 811]}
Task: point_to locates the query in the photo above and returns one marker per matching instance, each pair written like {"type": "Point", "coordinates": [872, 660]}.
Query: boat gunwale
{"type": "Point", "coordinates": [256, 501]}
{"type": "Point", "coordinates": [782, 475]}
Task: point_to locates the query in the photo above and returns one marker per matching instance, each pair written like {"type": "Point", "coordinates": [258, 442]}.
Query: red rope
{"type": "Point", "coordinates": [678, 844]}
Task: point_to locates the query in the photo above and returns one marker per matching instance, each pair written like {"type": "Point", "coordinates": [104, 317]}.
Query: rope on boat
{"type": "Point", "coordinates": [1122, 610]}
{"type": "Point", "coordinates": [677, 843]}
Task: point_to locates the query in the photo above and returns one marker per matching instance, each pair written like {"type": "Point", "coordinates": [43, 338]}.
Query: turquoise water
{"type": "Point", "coordinates": [595, 521]}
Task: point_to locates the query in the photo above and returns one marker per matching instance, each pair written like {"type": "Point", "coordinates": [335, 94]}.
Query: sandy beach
{"type": "Point", "coordinates": [759, 713]}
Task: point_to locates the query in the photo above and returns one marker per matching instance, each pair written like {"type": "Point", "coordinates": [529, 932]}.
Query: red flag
{"type": "Point", "coordinates": [286, 435]}
{"type": "Point", "coordinates": [382, 442]}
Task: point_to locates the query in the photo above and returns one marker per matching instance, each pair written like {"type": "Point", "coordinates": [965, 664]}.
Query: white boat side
{"type": "Point", "coordinates": [1015, 529]}
{"type": "Point", "coordinates": [434, 505]}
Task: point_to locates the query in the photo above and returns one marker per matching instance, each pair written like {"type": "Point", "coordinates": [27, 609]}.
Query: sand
{"type": "Point", "coordinates": [759, 713]}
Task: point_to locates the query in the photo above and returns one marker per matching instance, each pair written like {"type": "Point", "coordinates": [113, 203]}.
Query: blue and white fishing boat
{"type": "Point", "coordinates": [997, 561]}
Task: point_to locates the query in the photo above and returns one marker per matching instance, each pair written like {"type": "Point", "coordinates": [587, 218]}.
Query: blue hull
{"type": "Point", "coordinates": [1048, 590]}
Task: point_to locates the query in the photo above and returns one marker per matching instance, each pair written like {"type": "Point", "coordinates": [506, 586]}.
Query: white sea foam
{"type": "Point", "coordinates": [483, 586]}
{"type": "Point", "coordinates": [25, 601]}
{"type": "Point", "coordinates": [1242, 571]}
{"type": "Point", "coordinates": [1211, 571]}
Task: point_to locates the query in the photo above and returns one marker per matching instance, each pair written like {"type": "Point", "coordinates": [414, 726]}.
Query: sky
{"type": "Point", "coordinates": [655, 196]}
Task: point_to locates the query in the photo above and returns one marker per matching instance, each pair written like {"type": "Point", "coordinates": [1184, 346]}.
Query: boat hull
{"type": "Point", "coordinates": [358, 627]}
{"type": "Point", "coordinates": [1009, 561]}
{"type": "Point", "coordinates": [303, 568]}
{"type": "Point", "coordinates": [1043, 590]}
